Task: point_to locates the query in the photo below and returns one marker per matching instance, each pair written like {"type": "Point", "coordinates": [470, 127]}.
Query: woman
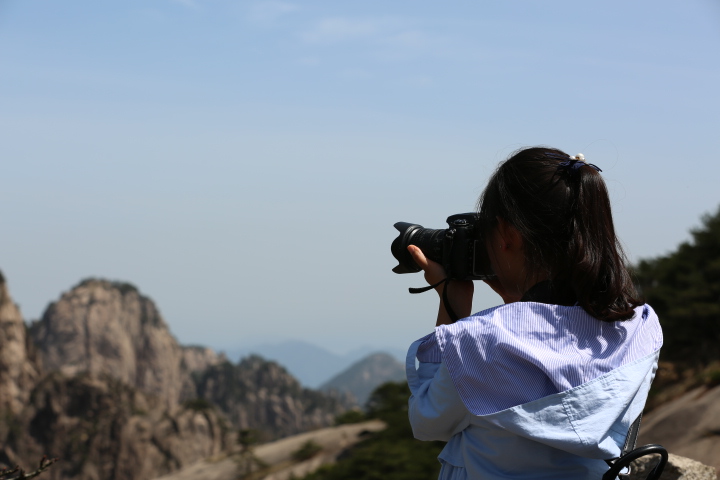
{"type": "Point", "coordinates": [546, 385]}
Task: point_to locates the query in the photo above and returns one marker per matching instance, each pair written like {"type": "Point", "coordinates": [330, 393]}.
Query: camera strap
{"type": "Point", "coordinates": [446, 301]}
{"type": "Point", "coordinates": [428, 288]}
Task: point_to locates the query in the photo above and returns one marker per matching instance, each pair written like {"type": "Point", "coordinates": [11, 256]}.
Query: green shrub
{"type": "Point", "coordinates": [308, 450]}
{"type": "Point", "coordinates": [351, 416]}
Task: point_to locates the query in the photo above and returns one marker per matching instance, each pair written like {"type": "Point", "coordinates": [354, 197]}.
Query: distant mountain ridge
{"type": "Point", "coordinates": [362, 377]}
{"type": "Point", "coordinates": [311, 364]}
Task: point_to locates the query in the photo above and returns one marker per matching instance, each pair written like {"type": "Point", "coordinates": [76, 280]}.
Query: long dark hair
{"type": "Point", "coordinates": [564, 218]}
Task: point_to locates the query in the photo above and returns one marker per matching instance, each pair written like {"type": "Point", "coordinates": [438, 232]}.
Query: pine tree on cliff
{"type": "Point", "coordinates": [684, 289]}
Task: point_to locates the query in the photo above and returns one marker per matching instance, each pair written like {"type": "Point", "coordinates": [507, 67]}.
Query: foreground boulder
{"type": "Point", "coordinates": [688, 426]}
{"type": "Point", "coordinates": [677, 468]}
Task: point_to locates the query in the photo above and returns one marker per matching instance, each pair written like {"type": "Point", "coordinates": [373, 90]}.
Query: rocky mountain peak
{"type": "Point", "coordinates": [197, 358]}
{"type": "Point", "coordinates": [362, 377]}
{"type": "Point", "coordinates": [109, 328]}
{"type": "Point", "coordinates": [261, 394]}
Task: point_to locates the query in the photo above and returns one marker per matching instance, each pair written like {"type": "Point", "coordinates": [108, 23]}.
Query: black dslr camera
{"type": "Point", "coordinates": [459, 248]}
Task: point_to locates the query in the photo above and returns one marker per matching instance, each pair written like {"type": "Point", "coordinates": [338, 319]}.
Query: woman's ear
{"type": "Point", "coordinates": [509, 235]}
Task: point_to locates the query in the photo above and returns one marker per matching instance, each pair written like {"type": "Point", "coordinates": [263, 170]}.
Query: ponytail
{"type": "Point", "coordinates": [562, 211]}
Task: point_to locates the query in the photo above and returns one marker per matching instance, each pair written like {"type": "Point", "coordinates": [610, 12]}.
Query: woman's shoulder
{"type": "Point", "coordinates": [525, 314]}
{"type": "Point", "coordinates": [541, 327]}
{"type": "Point", "coordinates": [517, 315]}
{"type": "Point", "coordinates": [534, 350]}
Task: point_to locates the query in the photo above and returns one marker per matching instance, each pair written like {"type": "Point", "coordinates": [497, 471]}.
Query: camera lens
{"type": "Point", "coordinates": [428, 240]}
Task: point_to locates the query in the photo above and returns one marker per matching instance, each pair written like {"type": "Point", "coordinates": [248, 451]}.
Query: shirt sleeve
{"type": "Point", "coordinates": [436, 411]}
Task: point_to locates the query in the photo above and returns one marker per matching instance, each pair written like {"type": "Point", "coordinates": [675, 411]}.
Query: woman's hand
{"type": "Point", "coordinates": [459, 292]}
{"type": "Point", "coordinates": [434, 272]}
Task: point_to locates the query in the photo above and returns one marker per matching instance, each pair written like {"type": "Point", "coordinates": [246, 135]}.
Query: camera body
{"type": "Point", "coordinates": [460, 248]}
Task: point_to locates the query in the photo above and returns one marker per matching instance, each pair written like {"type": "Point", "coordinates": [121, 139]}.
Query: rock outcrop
{"type": "Point", "coordinates": [104, 429]}
{"type": "Point", "coordinates": [109, 328]}
{"type": "Point", "coordinates": [262, 395]}
{"type": "Point", "coordinates": [18, 367]}
{"type": "Point", "coordinates": [196, 358]}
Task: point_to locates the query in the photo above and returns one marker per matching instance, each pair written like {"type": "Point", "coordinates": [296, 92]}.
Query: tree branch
{"type": "Point", "coordinates": [8, 474]}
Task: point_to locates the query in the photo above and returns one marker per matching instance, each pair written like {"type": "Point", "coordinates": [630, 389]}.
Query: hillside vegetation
{"type": "Point", "coordinates": [684, 289]}
{"type": "Point", "coordinates": [392, 453]}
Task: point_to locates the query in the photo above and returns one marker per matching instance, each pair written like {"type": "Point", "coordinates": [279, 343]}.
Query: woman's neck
{"type": "Point", "coordinates": [554, 292]}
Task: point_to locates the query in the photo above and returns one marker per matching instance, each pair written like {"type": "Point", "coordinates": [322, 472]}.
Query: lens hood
{"type": "Point", "coordinates": [399, 247]}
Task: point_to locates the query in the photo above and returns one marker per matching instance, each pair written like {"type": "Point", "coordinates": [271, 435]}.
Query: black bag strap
{"type": "Point", "coordinates": [631, 438]}
{"type": "Point", "coordinates": [629, 454]}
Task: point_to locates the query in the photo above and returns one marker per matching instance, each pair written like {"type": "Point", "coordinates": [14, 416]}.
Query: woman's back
{"type": "Point", "coordinates": [534, 390]}
{"type": "Point", "coordinates": [547, 385]}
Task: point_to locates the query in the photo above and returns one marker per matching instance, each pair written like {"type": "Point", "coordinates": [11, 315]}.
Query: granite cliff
{"type": "Point", "coordinates": [109, 328]}
{"type": "Point", "coordinates": [19, 369]}
{"type": "Point", "coordinates": [104, 429]}
{"type": "Point", "coordinates": [196, 358]}
{"type": "Point", "coordinates": [260, 394]}
{"type": "Point", "coordinates": [101, 382]}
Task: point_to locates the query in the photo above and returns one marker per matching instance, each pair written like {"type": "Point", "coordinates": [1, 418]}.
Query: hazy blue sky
{"type": "Point", "coordinates": [242, 162]}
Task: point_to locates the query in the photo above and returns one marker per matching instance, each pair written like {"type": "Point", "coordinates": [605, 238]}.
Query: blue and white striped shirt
{"type": "Point", "coordinates": [531, 390]}
{"type": "Point", "coordinates": [516, 353]}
